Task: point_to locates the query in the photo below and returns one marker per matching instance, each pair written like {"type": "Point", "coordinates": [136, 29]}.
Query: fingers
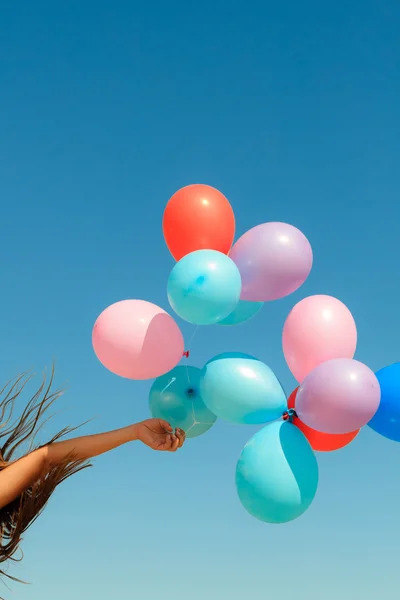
{"type": "Point", "coordinates": [174, 441]}
{"type": "Point", "coordinates": [165, 444]}
{"type": "Point", "coordinates": [177, 440]}
{"type": "Point", "coordinates": [181, 435]}
{"type": "Point", "coordinates": [165, 425]}
{"type": "Point", "coordinates": [171, 442]}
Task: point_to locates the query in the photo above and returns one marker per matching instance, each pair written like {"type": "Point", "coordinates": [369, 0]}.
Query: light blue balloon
{"type": "Point", "coordinates": [204, 287]}
{"type": "Point", "coordinates": [243, 312]}
{"type": "Point", "coordinates": [277, 474]}
{"type": "Point", "coordinates": [241, 389]}
{"type": "Point", "coordinates": [175, 398]}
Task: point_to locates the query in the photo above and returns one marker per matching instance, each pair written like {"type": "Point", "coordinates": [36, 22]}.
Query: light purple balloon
{"type": "Point", "coordinates": [274, 260]}
{"type": "Point", "coordinates": [338, 396]}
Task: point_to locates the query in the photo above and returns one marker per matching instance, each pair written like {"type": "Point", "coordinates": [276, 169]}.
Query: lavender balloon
{"type": "Point", "coordinates": [274, 260]}
{"type": "Point", "coordinates": [338, 396]}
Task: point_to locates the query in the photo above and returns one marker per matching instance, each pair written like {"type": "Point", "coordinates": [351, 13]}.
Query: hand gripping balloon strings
{"type": "Point", "coordinates": [289, 415]}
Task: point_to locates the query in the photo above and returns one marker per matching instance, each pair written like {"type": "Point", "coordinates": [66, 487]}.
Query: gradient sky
{"type": "Point", "coordinates": [292, 110]}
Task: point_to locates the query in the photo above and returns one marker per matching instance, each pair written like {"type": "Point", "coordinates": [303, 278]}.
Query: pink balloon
{"type": "Point", "coordinates": [274, 260]}
{"type": "Point", "coordinates": [137, 340]}
{"type": "Point", "coordinates": [318, 328]}
{"type": "Point", "coordinates": [338, 396]}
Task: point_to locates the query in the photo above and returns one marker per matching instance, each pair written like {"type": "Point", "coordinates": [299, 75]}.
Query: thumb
{"type": "Point", "coordinates": [165, 425]}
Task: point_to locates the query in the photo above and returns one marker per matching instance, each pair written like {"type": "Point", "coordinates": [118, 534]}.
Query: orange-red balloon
{"type": "Point", "coordinates": [198, 217]}
{"type": "Point", "coordinates": [321, 442]}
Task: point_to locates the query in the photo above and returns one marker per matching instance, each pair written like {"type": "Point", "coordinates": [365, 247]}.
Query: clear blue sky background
{"type": "Point", "coordinates": [106, 108]}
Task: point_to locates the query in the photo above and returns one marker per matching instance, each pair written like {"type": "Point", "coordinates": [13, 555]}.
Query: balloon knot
{"type": "Point", "coordinates": [289, 415]}
{"type": "Point", "coordinates": [187, 354]}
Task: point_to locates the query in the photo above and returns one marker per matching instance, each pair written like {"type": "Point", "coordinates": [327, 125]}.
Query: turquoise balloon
{"type": "Point", "coordinates": [241, 389]}
{"type": "Point", "coordinates": [204, 287]}
{"type": "Point", "coordinates": [277, 474]}
{"type": "Point", "coordinates": [244, 311]}
{"type": "Point", "coordinates": [175, 397]}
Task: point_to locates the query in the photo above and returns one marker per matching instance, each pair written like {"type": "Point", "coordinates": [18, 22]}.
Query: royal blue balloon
{"type": "Point", "coordinates": [386, 420]}
{"type": "Point", "coordinates": [244, 311]}
{"type": "Point", "coordinates": [241, 389]}
{"type": "Point", "coordinates": [175, 398]}
{"type": "Point", "coordinates": [277, 474]}
{"type": "Point", "coordinates": [204, 287]}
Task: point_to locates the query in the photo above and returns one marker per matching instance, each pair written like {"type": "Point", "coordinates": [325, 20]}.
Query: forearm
{"type": "Point", "coordinates": [83, 448]}
{"type": "Point", "coordinates": [21, 474]}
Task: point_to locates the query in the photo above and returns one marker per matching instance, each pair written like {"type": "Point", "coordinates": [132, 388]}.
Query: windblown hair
{"type": "Point", "coordinates": [17, 516]}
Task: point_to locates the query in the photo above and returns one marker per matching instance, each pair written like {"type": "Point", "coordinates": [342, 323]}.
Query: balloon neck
{"type": "Point", "coordinates": [289, 415]}
{"type": "Point", "coordinates": [186, 354]}
{"type": "Point", "coordinates": [191, 392]}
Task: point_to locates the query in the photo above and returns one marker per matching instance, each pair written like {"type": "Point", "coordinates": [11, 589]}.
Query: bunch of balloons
{"type": "Point", "coordinates": [216, 282]}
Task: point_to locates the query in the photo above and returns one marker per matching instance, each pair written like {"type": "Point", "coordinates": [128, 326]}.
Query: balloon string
{"type": "Point", "coordinates": [187, 352]}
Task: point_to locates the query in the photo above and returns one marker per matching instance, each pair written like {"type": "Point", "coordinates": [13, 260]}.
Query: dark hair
{"type": "Point", "coordinates": [16, 517]}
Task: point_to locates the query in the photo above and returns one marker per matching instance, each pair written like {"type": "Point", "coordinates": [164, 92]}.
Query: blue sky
{"type": "Point", "coordinates": [290, 109]}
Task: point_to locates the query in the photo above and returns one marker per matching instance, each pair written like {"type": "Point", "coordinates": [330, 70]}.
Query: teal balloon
{"type": "Point", "coordinates": [204, 287]}
{"type": "Point", "coordinates": [241, 389]}
{"type": "Point", "coordinates": [244, 311]}
{"type": "Point", "coordinates": [277, 474]}
{"type": "Point", "coordinates": [175, 397]}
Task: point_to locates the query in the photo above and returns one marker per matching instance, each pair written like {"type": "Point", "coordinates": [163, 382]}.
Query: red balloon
{"type": "Point", "coordinates": [198, 217]}
{"type": "Point", "coordinates": [321, 442]}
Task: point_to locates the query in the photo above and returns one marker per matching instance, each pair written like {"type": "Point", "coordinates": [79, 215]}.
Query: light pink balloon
{"type": "Point", "coordinates": [137, 340]}
{"type": "Point", "coordinates": [339, 396]}
{"type": "Point", "coordinates": [318, 328]}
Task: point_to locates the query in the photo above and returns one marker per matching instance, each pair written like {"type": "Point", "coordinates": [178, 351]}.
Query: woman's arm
{"type": "Point", "coordinates": [20, 475]}
{"type": "Point", "coordinates": [88, 446]}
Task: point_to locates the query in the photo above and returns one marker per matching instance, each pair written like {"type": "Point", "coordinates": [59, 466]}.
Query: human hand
{"type": "Point", "coordinates": [159, 435]}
